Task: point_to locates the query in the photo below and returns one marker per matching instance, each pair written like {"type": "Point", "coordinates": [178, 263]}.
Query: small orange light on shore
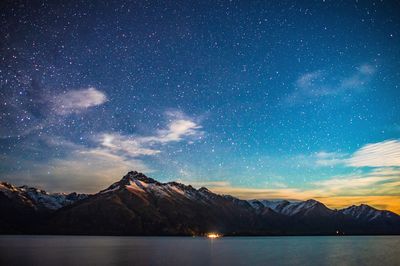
{"type": "Point", "coordinates": [213, 235]}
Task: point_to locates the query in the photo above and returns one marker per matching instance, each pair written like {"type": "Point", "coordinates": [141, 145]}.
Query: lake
{"type": "Point", "coordinates": [100, 250]}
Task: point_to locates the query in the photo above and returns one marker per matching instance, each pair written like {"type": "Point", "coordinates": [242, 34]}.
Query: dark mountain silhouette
{"type": "Point", "coordinates": [139, 205]}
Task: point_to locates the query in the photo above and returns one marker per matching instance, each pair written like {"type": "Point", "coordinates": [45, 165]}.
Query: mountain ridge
{"type": "Point", "coordinates": [140, 205]}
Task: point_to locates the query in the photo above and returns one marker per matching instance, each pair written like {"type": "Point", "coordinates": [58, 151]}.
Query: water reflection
{"type": "Point", "coordinates": [82, 250]}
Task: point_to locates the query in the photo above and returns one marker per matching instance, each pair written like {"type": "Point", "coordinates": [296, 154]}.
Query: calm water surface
{"type": "Point", "coordinates": [84, 250]}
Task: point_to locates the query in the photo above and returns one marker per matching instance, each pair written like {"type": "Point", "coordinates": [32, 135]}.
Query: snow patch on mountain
{"type": "Point", "coordinates": [144, 186]}
{"type": "Point", "coordinates": [39, 199]}
{"type": "Point", "coordinates": [367, 213]}
{"type": "Point", "coordinates": [290, 208]}
{"type": "Point", "coordinates": [109, 190]}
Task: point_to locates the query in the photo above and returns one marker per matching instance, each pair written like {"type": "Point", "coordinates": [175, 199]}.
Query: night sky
{"type": "Point", "coordinates": [258, 99]}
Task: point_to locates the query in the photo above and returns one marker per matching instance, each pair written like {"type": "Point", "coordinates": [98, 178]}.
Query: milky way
{"type": "Point", "coordinates": [259, 100]}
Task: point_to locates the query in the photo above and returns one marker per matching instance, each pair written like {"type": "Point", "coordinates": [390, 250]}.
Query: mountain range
{"type": "Point", "coordinates": [139, 205]}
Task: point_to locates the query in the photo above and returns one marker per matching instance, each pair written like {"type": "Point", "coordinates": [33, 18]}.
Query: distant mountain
{"type": "Point", "coordinates": [313, 217]}
{"type": "Point", "coordinates": [22, 207]}
{"type": "Point", "coordinates": [367, 213]}
{"type": "Point", "coordinates": [294, 208]}
{"type": "Point", "coordinates": [139, 205]}
{"type": "Point", "coordinates": [38, 199]}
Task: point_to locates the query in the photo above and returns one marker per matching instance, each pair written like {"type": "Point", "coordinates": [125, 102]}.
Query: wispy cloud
{"type": "Point", "coordinates": [38, 108]}
{"type": "Point", "coordinates": [318, 84]}
{"type": "Point", "coordinates": [368, 183]}
{"type": "Point", "coordinates": [380, 154]}
{"type": "Point", "coordinates": [377, 173]}
{"type": "Point", "coordinates": [76, 101]}
{"type": "Point", "coordinates": [178, 128]}
{"type": "Point", "coordinates": [386, 153]}
{"type": "Point", "coordinates": [358, 79]}
{"type": "Point", "coordinates": [129, 145]}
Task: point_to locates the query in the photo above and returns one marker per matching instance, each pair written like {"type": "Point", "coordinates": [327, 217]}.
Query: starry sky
{"type": "Point", "coordinates": [258, 99]}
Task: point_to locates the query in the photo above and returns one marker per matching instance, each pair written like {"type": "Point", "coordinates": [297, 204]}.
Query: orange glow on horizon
{"type": "Point", "coordinates": [389, 202]}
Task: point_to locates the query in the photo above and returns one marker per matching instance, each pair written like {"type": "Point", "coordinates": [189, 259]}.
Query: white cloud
{"type": "Point", "coordinates": [44, 108]}
{"type": "Point", "coordinates": [76, 101]}
{"type": "Point", "coordinates": [178, 128]}
{"type": "Point", "coordinates": [385, 153]}
{"type": "Point", "coordinates": [380, 154]}
{"type": "Point", "coordinates": [379, 175]}
{"type": "Point", "coordinates": [127, 144]}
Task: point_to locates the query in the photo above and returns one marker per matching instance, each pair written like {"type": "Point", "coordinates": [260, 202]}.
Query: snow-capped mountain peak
{"type": "Point", "coordinates": [290, 208]}
{"type": "Point", "coordinates": [145, 187]}
{"type": "Point", "coordinates": [366, 212]}
{"type": "Point", "coordinates": [133, 180]}
{"type": "Point", "coordinates": [134, 175]}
